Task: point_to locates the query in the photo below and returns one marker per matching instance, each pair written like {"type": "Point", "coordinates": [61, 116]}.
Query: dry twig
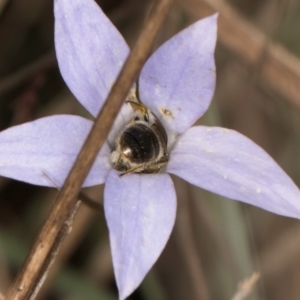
{"type": "Point", "coordinates": [276, 66]}
{"type": "Point", "coordinates": [246, 287]}
{"type": "Point", "coordinates": [2, 5]}
{"type": "Point", "coordinates": [42, 63]}
{"type": "Point", "coordinates": [32, 273]}
{"type": "Point", "coordinates": [85, 216]}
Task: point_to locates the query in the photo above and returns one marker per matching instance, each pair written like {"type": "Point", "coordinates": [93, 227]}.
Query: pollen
{"type": "Point", "coordinates": [166, 112]}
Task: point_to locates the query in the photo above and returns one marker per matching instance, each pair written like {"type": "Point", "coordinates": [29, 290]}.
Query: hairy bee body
{"type": "Point", "coordinates": [141, 146]}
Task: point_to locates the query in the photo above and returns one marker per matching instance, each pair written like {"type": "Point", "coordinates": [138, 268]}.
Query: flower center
{"type": "Point", "coordinates": [141, 146]}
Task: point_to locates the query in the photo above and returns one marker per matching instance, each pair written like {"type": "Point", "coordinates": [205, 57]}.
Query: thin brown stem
{"type": "Point", "coordinates": [49, 59]}
{"type": "Point", "coordinates": [34, 269]}
{"type": "Point", "coordinates": [82, 223]}
{"type": "Point", "coordinates": [42, 63]}
{"type": "Point", "coordinates": [279, 68]}
{"type": "Point", "coordinates": [2, 5]}
{"type": "Point", "coordinates": [246, 287]}
{"type": "Point", "coordinates": [53, 251]}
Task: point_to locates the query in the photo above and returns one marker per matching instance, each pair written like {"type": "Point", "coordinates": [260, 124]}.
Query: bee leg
{"type": "Point", "coordinates": [147, 168]}
{"type": "Point", "coordinates": [138, 169]}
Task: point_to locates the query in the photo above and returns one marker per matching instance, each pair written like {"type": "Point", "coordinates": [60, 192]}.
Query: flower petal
{"type": "Point", "coordinates": [124, 116]}
{"type": "Point", "coordinates": [42, 152]}
{"type": "Point", "coordinates": [140, 211]}
{"type": "Point", "coordinates": [178, 81]}
{"type": "Point", "coordinates": [227, 163]}
{"type": "Point", "coordinates": [89, 49]}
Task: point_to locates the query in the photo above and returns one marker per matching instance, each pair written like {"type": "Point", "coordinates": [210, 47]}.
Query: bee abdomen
{"type": "Point", "coordinates": [139, 143]}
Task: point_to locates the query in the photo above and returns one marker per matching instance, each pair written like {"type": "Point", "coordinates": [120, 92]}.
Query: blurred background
{"type": "Point", "coordinates": [217, 243]}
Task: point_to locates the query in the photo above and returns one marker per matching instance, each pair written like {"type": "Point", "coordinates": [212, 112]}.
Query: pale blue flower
{"type": "Point", "coordinates": [177, 84]}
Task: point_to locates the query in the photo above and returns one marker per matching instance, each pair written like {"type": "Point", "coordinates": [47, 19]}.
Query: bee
{"type": "Point", "coordinates": [141, 146]}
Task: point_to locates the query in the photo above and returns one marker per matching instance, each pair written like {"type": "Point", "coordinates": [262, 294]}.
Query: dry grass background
{"type": "Point", "coordinates": [217, 243]}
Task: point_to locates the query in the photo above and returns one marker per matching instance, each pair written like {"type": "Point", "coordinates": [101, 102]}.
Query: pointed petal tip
{"type": "Point", "coordinates": [215, 15]}
{"type": "Point", "coordinates": [140, 211]}
{"type": "Point", "coordinates": [178, 80]}
{"type": "Point", "coordinates": [89, 49]}
{"type": "Point", "coordinates": [227, 163]}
